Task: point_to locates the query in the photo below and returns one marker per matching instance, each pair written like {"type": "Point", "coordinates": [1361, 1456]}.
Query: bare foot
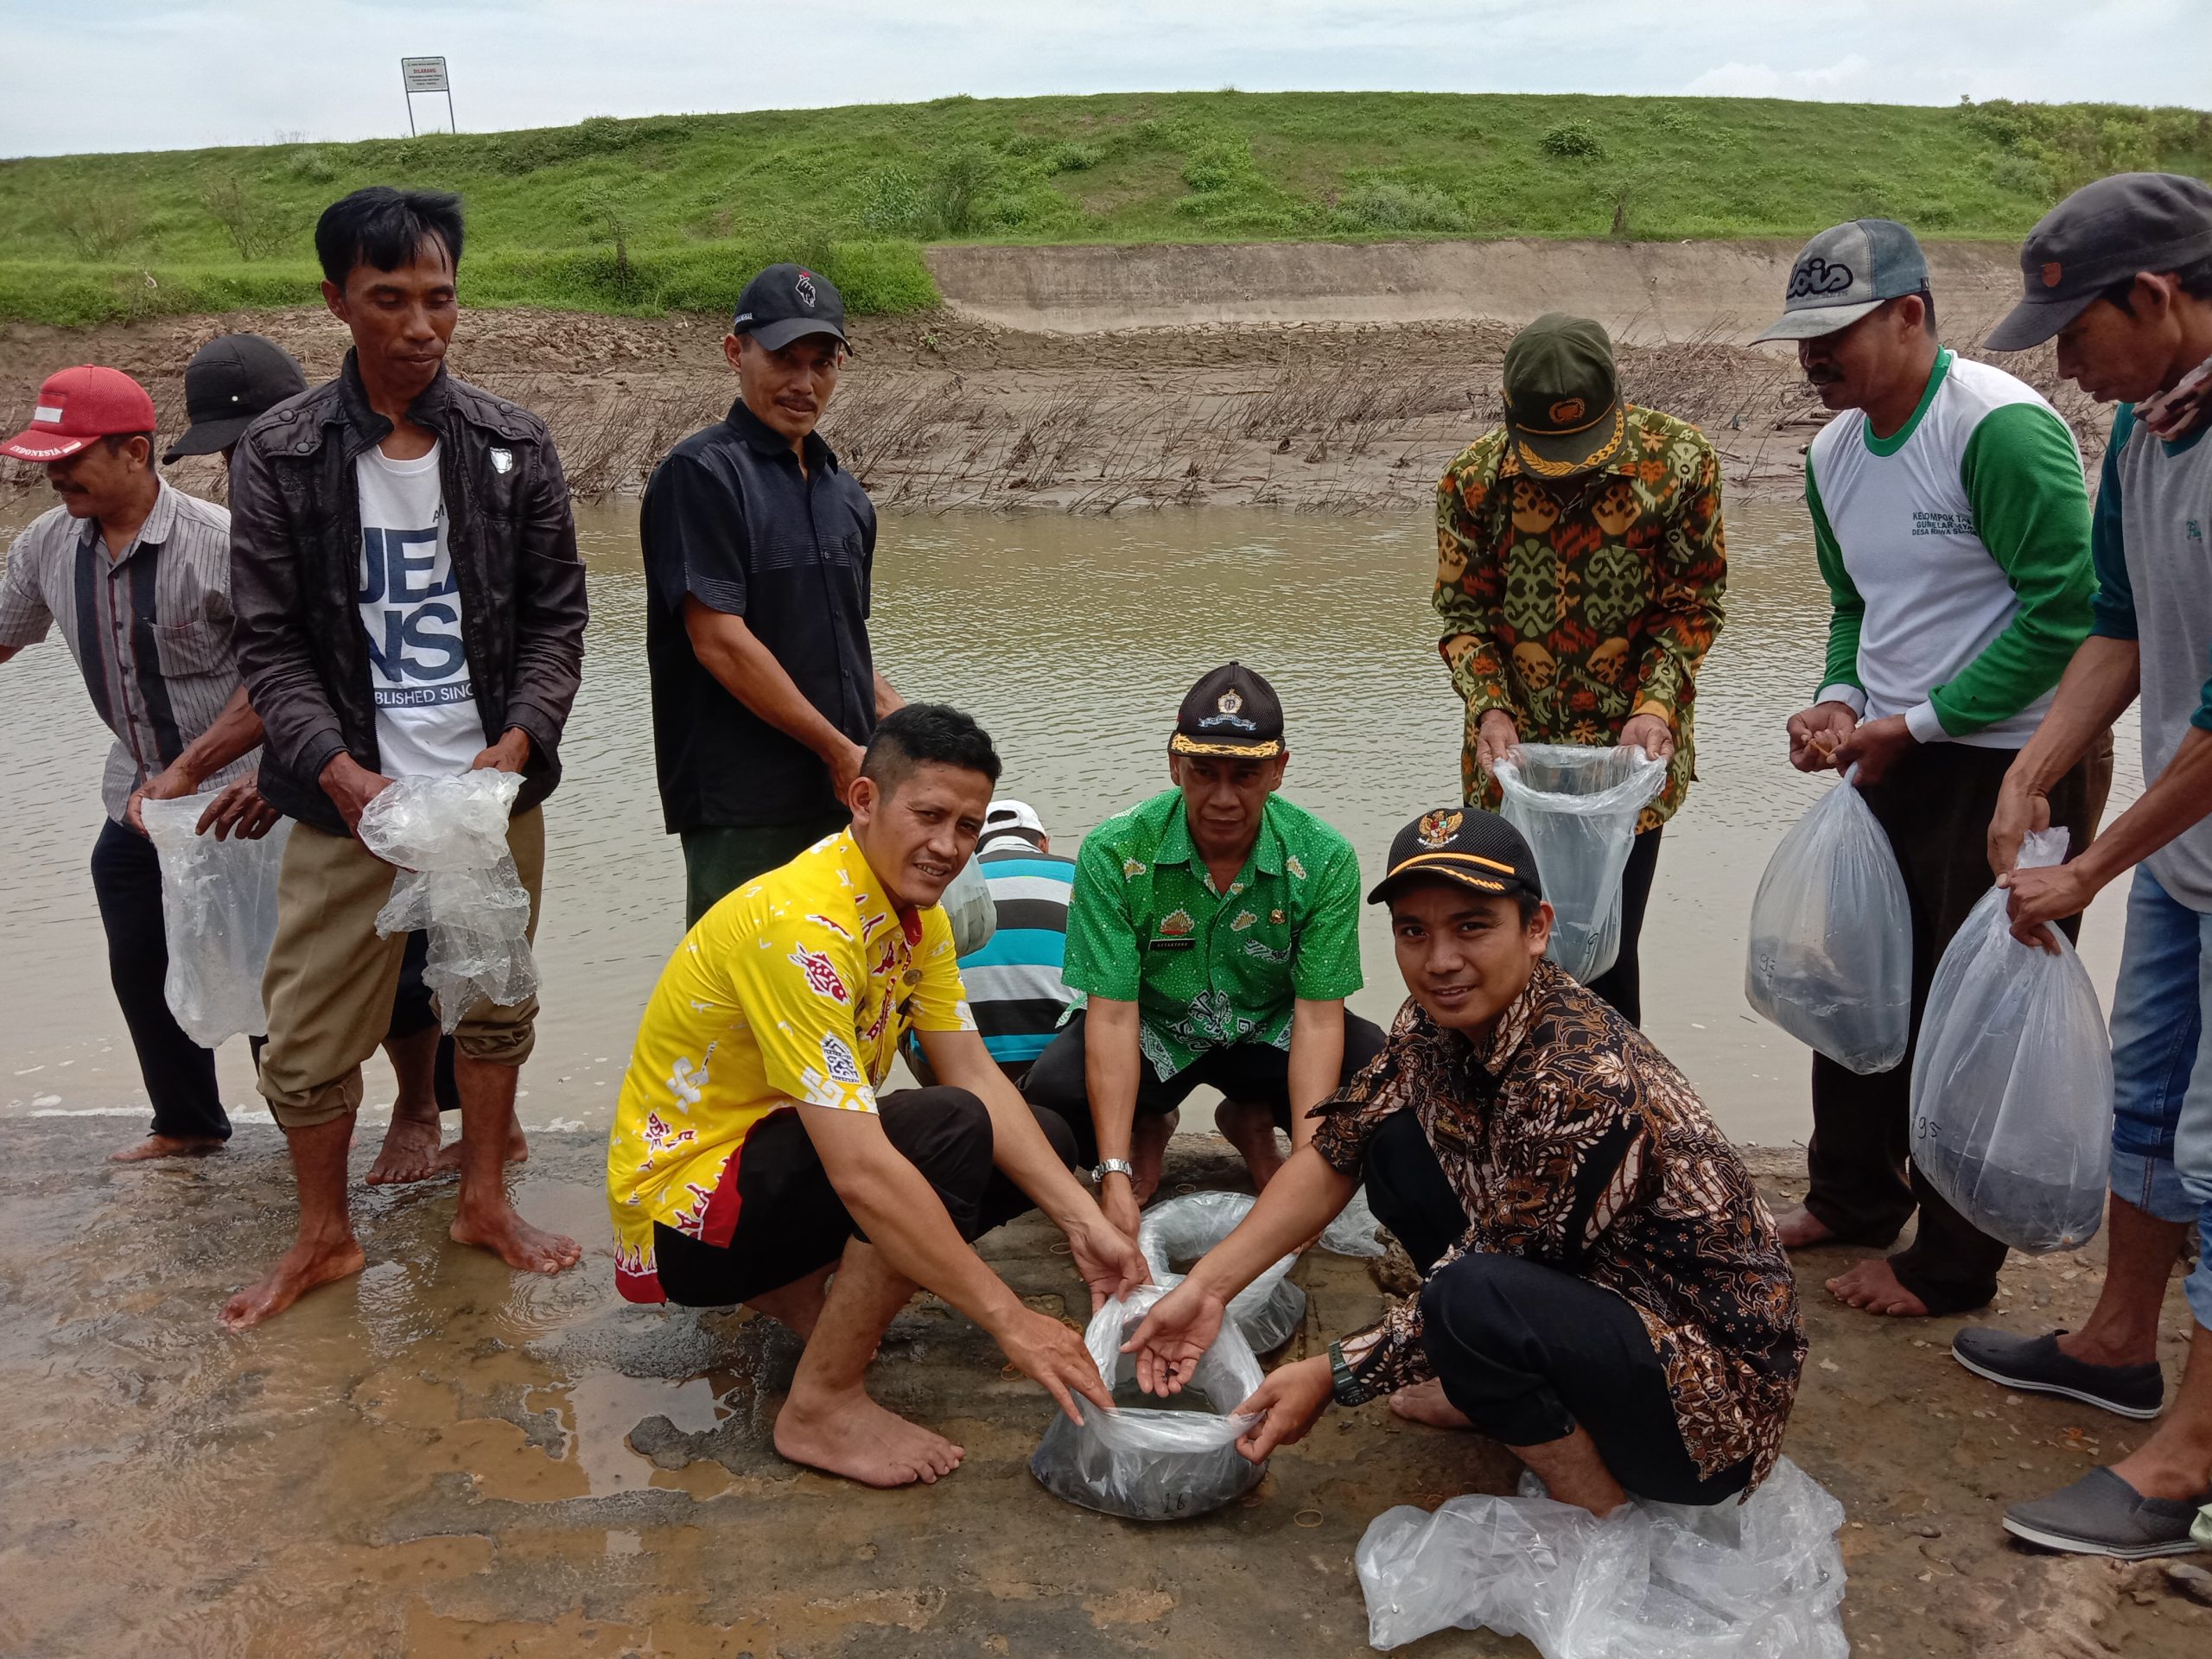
{"type": "Point", "coordinates": [410, 1151]}
{"type": "Point", "coordinates": [1873, 1286]}
{"type": "Point", "coordinates": [1801, 1228]}
{"type": "Point", "coordinates": [166, 1146]}
{"type": "Point", "coordinates": [851, 1435]}
{"type": "Point", "coordinates": [299, 1270]}
{"type": "Point", "coordinates": [452, 1156]}
{"type": "Point", "coordinates": [1424, 1402]}
{"type": "Point", "coordinates": [514, 1241]}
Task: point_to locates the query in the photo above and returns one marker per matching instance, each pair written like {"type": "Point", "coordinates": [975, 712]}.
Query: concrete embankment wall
{"type": "Point", "coordinates": [1648, 291]}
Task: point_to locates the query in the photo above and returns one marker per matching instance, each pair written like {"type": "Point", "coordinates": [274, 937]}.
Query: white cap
{"type": "Point", "coordinates": [1011, 817]}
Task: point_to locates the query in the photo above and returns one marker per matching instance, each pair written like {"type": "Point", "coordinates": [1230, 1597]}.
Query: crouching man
{"type": "Point", "coordinates": [1603, 1290]}
{"type": "Point", "coordinates": [752, 1158]}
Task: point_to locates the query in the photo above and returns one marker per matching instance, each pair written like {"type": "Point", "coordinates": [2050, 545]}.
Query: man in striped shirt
{"type": "Point", "coordinates": [1014, 981]}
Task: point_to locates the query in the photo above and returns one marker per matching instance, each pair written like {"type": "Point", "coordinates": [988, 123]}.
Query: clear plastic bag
{"type": "Point", "coordinates": [1578, 807]}
{"type": "Point", "coordinates": [1184, 1228]}
{"type": "Point", "coordinates": [1831, 937]}
{"type": "Point", "coordinates": [449, 836]}
{"type": "Point", "coordinates": [1165, 1461]}
{"type": "Point", "coordinates": [2012, 1083]}
{"type": "Point", "coordinates": [1759, 1579]}
{"type": "Point", "coordinates": [968, 907]}
{"type": "Point", "coordinates": [1355, 1232]}
{"type": "Point", "coordinates": [218, 911]}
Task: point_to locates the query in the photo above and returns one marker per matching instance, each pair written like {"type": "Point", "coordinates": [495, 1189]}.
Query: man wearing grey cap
{"type": "Point", "coordinates": [1952, 527]}
{"type": "Point", "coordinates": [2122, 273]}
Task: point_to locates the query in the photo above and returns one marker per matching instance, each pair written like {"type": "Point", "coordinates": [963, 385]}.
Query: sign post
{"type": "Point", "coordinates": [426, 75]}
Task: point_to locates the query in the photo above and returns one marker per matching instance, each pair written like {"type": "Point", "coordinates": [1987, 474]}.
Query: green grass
{"type": "Point", "coordinates": [673, 211]}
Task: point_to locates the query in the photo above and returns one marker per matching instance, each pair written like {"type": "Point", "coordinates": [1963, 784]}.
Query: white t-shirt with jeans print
{"type": "Point", "coordinates": [427, 719]}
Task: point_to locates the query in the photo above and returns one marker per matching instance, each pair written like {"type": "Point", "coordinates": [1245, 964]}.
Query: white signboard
{"type": "Point", "coordinates": [423, 75]}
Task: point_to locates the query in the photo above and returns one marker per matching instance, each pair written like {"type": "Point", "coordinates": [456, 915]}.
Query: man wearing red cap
{"type": "Point", "coordinates": [138, 576]}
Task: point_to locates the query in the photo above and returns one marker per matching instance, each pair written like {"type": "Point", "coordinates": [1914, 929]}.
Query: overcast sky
{"type": "Point", "coordinates": [137, 75]}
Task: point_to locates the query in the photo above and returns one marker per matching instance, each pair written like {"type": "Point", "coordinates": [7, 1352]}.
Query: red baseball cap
{"type": "Point", "coordinates": [78, 405]}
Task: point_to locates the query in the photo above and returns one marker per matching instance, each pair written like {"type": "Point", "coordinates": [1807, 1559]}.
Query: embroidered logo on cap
{"type": "Point", "coordinates": [2052, 272]}
{"type": "Point", "coordinates": [1436, 829]}
{"type": "Point", "coordinates": [1566, 410]}
{"type": "Point", "coordinates": [804, 288]}
{"type": "Point", "coordinates": [48, 414]}
{"type": "Point", "coordinates": [1228, 702]}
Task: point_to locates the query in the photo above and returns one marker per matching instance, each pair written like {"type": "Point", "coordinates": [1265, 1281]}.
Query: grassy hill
{"type": "Point", "coordinates": [671, 212]}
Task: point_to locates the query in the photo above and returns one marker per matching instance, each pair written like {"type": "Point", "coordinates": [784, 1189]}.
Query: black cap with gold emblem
{"type": "Point", "coordinates": [1562, 398]}
{"type": "Point", "coordinates": [1231, 711]}
{"type": "Point", "coordinates": [1465, 844]}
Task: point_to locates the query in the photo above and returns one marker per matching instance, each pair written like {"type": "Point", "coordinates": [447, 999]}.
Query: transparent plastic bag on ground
{"type": "Point", "coordinates": [2012, 1083]}
{"type": "Point", "coordinates": [218, 912]}
{"type": "Point", "coordinates": [968, 906]}
{"type": "Point", "coordinates": [1830, 959]}
{"type": "Point", "coordinates": [1578, 807]}
{"type": "Point", "coordinates": [1355, 1232]}
{"type": "Point", "coordinates": [1762, 1579]}
{"type": "Point", "coordinates": [449, 836]}
{"type": "Point", "coordinates": [1181, 1229]}
{"type": "Point", "coordinates": [1165, 1461]}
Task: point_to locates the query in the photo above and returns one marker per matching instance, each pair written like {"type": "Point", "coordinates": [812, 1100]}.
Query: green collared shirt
{"type": "Point", "coordinates": [1207, 968]}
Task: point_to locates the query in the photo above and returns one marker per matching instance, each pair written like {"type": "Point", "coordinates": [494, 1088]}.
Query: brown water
{"type": "Point", "coordinates": [1072, 640]}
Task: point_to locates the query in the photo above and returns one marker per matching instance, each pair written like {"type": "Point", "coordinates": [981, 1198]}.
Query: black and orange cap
{"type": "Point", "coordinates": [1465, 844]}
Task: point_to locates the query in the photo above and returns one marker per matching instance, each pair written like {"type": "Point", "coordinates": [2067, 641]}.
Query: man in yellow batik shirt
{"type": "Point", "coordinates": [752, 1157]}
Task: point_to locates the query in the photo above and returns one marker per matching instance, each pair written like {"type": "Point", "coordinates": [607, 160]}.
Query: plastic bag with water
{"type": "Point", "coordinates": [968, 907]}
{"type": "Point", "coordinates": [1831, 937]}
{"type": "Point", "coordinates": [1163, 1461]}
{"type": "Point", "coordinates": [2012, 1083]}
{"type": "Point", "coordinates": [1578, 807]}
{"type": "Point", "coordinates": [218, 912]}
{"type": "Point", "coordinates": [1184, 1228]}
{"type": "Point", "coordinates": [456, 882]}
{"type": "Point", "coordinates": [1759, 1579]}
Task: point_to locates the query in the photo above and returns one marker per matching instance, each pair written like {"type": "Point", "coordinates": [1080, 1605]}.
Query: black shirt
{"type": "Point", "coordinates": [730, 520]}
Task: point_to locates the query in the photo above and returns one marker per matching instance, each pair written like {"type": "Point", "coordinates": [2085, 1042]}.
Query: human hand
{"type": "Point", "coordinates": [1292, 1400]}
{"type": "Point", "coordinates": [1049, 1353]}
{"type": "Point", "coordinates": [1174, 1336]}
{"type": "Point", "coordinates": [1872, 746]}
{"type": "Point", "coordinates": [1651, 734]}
{"type": "Point", "coordinates": [844, 763]}
{"type": "Point", "coordinates": [1109, 1261]}
{"type": "Point", "coordinates": [2045, 895]}
{"type": "Point", "coordinates": [351, 787]}
{"type": "Point", "coordinates": [239, 810]}
{"type": "Point", "coordinates": [1117, 1201]}
{"type": "Point", "coordinates": [510, 753]}
{"type": "Point", "coordinates": [1816, 733]}
{"type": "Point", "coordinates": [1496, 738]}
{"type": "Point", "coordinates": [167, 785]}
{"type": "Point", "coordinates": [2020, 811]}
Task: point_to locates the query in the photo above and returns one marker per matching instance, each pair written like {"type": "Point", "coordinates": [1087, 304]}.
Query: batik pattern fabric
{"type": "Point", "coordinates": [792, 991]}
{"type": "Point", "coordinates": [1571, 1141]}
{"type": "Point", "coordinates": [1573, 604]}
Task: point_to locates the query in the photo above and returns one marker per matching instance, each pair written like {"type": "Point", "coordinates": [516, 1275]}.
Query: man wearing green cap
{"type": "Point", "coordinates": [1580, 575]}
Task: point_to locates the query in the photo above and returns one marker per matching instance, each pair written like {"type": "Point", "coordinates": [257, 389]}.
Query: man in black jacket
{"type": "Point", "coordinates": [410, 602]}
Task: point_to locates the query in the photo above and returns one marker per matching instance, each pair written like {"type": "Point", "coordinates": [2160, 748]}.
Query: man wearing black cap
{"type": "Point", "coordinates": [1215, 930]}
{"type": "Point", "coordinates": [2121, 272]}
{"type": "Point", "coordinates": [232, 381]}
{"type": "Point", "coordinates": [759, 552]}
{"type": "Point", "coordinates": [1602, 1289]}
{"type": "Point", "coordinates": [1952, 527]}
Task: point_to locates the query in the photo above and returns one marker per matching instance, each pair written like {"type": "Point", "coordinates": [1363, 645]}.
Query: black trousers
{"type": "Point", "coordinates": [792, 1223]}
{"type": "Point", "coordinates": [1530, 1351]}
{"type": "Point", "coordinates": [179, 1074]}
{"type": "Point", "coordinates": [1621, 984]}
{"type": "Point", "coordinates": [1245, 1072]}
{"type": "Point", "coordinates": [413, 1009]}
{"type": "Point", "coordinates": [1934, 804]}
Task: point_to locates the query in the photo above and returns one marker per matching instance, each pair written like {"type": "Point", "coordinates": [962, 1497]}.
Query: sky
{"type": "Point", "coordinates": [140, 74]}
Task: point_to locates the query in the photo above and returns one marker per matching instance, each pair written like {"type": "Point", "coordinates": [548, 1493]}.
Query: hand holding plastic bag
{"type": "Point", "coordinates": [1578, 807]}
{"type": "Point", "coordinates": [1184, 1228]}
{"type": "Point", "coordinates": [2012, 1083]}
{"type": "Point", "coordinates": [218, 912]}
{"type": "Point", "coordinates": [449, 836]}
{"type": "Point", "coordinates": [1831, 937]}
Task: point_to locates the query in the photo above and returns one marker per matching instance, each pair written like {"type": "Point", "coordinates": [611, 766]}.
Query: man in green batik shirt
{"type": "Point", "coordinates": [1215, 930]}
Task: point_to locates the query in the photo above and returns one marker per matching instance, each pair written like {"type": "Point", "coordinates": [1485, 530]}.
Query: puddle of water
{"type": "Point", "coordinates": [599, 1411]}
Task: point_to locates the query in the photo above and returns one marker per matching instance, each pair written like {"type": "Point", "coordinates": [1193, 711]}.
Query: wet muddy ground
{"type": "Point", "coordinates": [441, 1458]}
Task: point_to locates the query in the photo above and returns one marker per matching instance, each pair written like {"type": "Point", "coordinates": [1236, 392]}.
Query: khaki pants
{"type": "Point", "coordinates": [331, 979]}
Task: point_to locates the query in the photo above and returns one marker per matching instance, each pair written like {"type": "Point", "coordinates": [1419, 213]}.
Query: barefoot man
{"type": "Point", "coordinates": [1602, 1289]}
{"type": "Point", "coordinates": [409, 603]}
{"type": "Point", "coordinates": [1952, 526]}
{"type": "Point", "coordinates": [752, 1157]}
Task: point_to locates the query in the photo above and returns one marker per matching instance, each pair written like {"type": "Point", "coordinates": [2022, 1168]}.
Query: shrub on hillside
{"type": "Point", "coordinates": [256, 227]}
{"type": "Point", "coordinates": [893, 204]}
{"type": "Point", "coordinates": [1572, 141]}
{"type": "Point", "coordinates": [1385, 205]}
{"type": "Point", "coordinates": [1221, 163]}
{"type": "Point", "coordinates": [313, 165]}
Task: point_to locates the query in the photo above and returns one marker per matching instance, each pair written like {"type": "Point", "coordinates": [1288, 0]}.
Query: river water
{"type": "Point", "coordinates": [1072, 640]}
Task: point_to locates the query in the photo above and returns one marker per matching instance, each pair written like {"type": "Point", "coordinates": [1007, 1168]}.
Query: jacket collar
{"type": "Point", "coordinates": [432, 407]}
{"type": "Point", "coordinates": [773, 444]}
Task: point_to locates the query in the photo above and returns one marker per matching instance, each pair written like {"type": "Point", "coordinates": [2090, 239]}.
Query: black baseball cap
{"type": "Point", "coordinates": [788, 302]}
{"type": "Point", "coordinates": [1466, 844]}
{"type": "Point", "coordinates": [1562, 397]}
{"type": "Point", "coordinates": [2101, 235]}
{"type": "Point", "coordinates": [1231, 711]}
{"type": "Point", "coordinates": [231, 381]}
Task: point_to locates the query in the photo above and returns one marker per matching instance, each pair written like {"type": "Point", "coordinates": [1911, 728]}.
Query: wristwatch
{"type": "Point", "coordinates": [1112, 1166]}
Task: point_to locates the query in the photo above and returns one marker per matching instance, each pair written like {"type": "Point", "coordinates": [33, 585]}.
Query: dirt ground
{"type": "Point", "coordinates": [442, 1459]}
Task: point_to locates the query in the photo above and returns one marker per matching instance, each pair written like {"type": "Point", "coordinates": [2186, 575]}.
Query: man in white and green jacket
{"type": "Point", "coordinates": [1953, 529]}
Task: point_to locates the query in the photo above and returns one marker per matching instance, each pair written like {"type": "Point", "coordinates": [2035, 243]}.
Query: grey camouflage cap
{"type": "Point", "coordinates": [1843, 274]}
{"type": "Point", "coordinates": [2102, 235]}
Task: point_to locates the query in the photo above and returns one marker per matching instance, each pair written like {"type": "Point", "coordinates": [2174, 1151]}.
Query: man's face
{"type": "Point", "coordinates": [1223, 798]}
{"type": "Point", "coordinates": [101, 478]}
{"type": "Point", "coordinates": [918, 835]}
{"type": "Point", "coordinates": [400, 320]}
{"type": "Point", "coordinates": [2118, 356]}
{"type": "Point", "coordinates": [789, 387]}
{"type": "Point", "coordinates": [1848, 367]}
{"type": "Point", "coordinates": [1464, 955]}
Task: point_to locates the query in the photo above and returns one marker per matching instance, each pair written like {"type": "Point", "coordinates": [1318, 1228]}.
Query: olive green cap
{"type": "Point", "coordinates": [1562, 398]}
